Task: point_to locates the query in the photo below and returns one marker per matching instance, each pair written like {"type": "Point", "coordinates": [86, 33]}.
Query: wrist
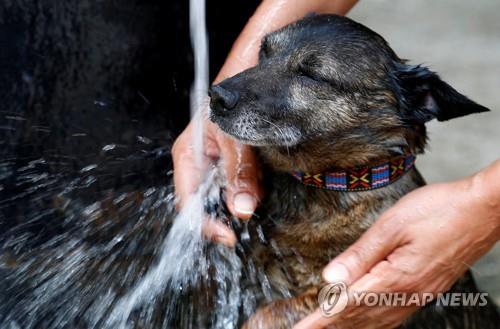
{"type": "Point", "coordinates": [485, 188]}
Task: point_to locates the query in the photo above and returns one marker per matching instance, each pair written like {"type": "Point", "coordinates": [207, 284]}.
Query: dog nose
{"type": "Point", "coordinates": [222, 99]}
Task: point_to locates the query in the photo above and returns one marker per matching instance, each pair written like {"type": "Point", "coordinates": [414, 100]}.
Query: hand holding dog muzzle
{"type": "Point", "coordinates": [241, 168]}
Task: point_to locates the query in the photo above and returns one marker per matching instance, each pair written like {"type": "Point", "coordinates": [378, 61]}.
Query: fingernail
{"type": "Point", "coordinates": [244, 203]}
{"type": "Point", "coordinates": [336, 273]}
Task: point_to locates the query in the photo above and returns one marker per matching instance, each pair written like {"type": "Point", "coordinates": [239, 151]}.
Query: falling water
{"type": "Point", "coordinates": [200, 86]}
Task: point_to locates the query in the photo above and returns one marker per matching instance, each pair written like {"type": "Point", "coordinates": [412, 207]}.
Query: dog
{"type": "Point", "coordinates": [330, 94]}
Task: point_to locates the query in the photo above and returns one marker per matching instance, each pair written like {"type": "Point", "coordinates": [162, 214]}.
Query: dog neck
{"type": "Point", "coordinates": [338, 216]}
{"type": "Point", "coordinates": [291, 203]}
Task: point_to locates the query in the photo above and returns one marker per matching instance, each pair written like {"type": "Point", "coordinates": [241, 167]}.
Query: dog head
{"type": "Point", "coordinates": [328, 91]}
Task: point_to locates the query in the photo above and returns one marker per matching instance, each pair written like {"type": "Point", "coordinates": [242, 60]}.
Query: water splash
{"type": "Point", "coordinates": [185, 261]}
{"type": "Point", "coordinates": [92, 254]}
{"type": "Point", "coordinates": [121, 262]}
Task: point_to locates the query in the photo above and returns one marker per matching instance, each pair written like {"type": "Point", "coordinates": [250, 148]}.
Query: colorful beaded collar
{"type": "Point", "coordinates": [359, 178]}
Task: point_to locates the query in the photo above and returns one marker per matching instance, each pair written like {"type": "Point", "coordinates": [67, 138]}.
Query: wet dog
{"type": "Point", "coordinates": [329, 96]}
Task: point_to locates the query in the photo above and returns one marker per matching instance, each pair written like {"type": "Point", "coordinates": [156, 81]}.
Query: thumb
{"type": "Point", "coordinates": [242, 171]}
{"type": "Point", "coordinates": [374, 246]}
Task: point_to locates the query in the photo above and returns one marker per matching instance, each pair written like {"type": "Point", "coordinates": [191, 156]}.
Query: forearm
{"type": "Point", "coordinates": [270, 16]}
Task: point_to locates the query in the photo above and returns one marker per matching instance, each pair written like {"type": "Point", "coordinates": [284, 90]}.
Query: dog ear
{"type": "Point", "coordinates": [426, 96]}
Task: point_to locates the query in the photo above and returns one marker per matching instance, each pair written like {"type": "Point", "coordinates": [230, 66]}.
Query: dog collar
{"type": "Point", "coordinates": [360, 178]}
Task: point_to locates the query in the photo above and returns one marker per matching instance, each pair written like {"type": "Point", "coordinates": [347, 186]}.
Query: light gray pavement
{"type": "Point", "coordinates": [460, 39]}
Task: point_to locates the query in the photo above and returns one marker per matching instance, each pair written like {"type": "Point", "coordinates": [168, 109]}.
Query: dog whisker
{"type": "Point", "coordinates": [279, 131]}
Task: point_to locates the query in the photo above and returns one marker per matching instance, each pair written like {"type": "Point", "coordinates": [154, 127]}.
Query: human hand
{"type": "Point", "coordinates": [423, 244]}
{"type": "Point", "coordinates": [241, 168]}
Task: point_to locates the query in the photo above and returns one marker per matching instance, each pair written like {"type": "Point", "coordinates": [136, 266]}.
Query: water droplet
{"type": "Point", "coordinates": [143, 140]}
{"type": "Point", "coordinates": [109, 147]}
{"type": "Point", "coordinates": [100, 103]}
{"type": "Point", "coordinates": [88, 168]}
